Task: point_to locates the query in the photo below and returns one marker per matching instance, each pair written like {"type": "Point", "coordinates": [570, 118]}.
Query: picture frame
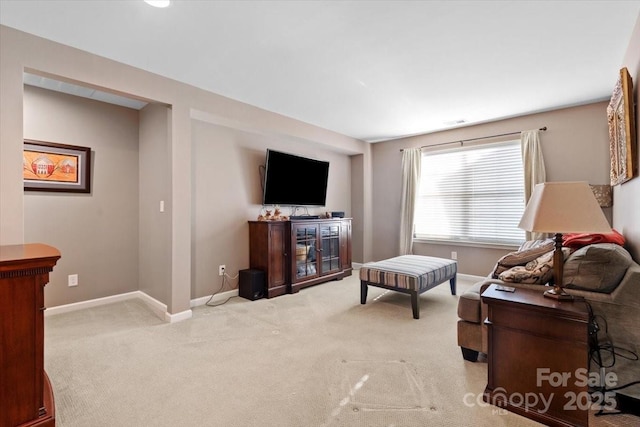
{"type": "Point", "coordinates": [49, 166]}
{"type": "Point", "coordinates": [622, 131]}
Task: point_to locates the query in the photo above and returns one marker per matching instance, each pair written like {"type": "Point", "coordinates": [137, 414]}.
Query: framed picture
{"type": "Point", "coordinates": [622, 131]}
{"type": "Point", "coordinates": [47, 166]}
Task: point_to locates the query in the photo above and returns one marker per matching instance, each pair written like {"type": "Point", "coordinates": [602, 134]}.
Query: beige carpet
{"type": "Point", "coordinates": [316, 358]}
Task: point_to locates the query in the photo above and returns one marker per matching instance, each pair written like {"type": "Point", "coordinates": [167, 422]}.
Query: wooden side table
{"type": "Point", "coordinates": [538, 356]}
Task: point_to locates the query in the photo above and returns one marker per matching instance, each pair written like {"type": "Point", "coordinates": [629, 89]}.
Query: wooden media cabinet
{"type": "Point", "coordinates": [300, 253]}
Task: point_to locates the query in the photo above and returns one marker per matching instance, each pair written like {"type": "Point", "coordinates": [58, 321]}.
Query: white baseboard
{"type": "Point", "coordinates": [160, 309]}
{"type": "Point", "coordinates": [177, 317]}
{"type": "Point", "coordinates": [356, 265]}
{"type": "Point", "coordinates": [157, 307]}
{"type": "Point", "coordinates": [66, 308]}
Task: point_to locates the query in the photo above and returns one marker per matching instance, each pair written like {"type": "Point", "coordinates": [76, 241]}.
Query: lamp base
{"type": "Point", "coordinates": [558, 293]}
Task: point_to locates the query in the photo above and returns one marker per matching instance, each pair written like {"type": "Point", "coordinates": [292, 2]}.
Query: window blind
{"type": "Point", "coordinates": [472, 194]}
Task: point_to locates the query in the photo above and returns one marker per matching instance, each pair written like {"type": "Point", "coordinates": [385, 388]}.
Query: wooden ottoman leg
{"type": "Point", "coordinates": [414, 305]}
{"type": "Point", "coordinates": [363, 292]}
{"type": "Point", "coordinates": [452, 284]}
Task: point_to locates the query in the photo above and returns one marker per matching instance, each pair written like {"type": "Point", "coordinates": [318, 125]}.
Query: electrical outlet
{"type": "Point", "coordinates": [221, 270]}
{"type": "Point", "coordinates": [72, 280]}
{"type": "Point", "coordinates": [454, 255]}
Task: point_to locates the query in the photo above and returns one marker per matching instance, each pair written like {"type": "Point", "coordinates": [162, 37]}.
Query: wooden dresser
{"type": "Point", "coordinates": [26, 397]}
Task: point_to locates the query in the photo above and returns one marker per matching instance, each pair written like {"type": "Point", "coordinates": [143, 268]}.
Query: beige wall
{"type": "Point", "coordinates": [626, 205]}
{"type": "Point", "coordinates": [227, 192]}
{"type": "Point", "coordinates": [154, 247]}
{"type": "Point", "coordinates": [96, 232]}
{"type": "Point", "coordinates": [357, 203]}
{"type": "Point", "coordinates": [362, 206]}
{"type": "Point", "coordinates": [575, 148]}
{"type": "Point", "coordinates": [21, 52]}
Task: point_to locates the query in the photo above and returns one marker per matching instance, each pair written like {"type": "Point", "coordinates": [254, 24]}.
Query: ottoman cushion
{"type": "Point", "coordinates": [411, 272]}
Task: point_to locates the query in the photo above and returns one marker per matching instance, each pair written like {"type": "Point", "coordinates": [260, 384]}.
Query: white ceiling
{"type": "Point", "coordinates": [373, 70]}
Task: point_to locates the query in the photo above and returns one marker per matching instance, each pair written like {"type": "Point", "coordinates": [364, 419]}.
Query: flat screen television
{"type": "Point", "coordinates": [291, 180]}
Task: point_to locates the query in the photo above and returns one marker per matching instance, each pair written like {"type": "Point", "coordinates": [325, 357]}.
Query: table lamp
{"type": "Point", "coordinates": [563, 207]}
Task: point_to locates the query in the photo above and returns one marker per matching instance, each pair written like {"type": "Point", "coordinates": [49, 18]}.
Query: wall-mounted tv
{"type": "Point", "coordinates": [291, 180]}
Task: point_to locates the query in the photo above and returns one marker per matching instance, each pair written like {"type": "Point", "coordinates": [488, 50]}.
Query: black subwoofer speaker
{"type": "Point", "coordinates": [251, 284]}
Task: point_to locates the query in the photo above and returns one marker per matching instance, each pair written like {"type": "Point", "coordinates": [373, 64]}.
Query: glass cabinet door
{"type": "Point", "coordinates": [306, 253]}
{"type": "Point", "coordinates": [330, 247]}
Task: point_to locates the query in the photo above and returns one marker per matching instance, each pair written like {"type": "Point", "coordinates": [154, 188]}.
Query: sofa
{"type": "Point", "coordinates": [608, 279]}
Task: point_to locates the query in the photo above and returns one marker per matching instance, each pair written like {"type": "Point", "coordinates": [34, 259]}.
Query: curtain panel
{"type": "Point", "coordinates": [411, 164]}
{"type": "Point", "coordinates": [534, 170]}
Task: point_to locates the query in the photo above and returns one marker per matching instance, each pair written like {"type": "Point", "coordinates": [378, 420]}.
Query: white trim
{"type": "Point", "coordinates": [356, 265]}
{"type": "Point", "coordinates": [216, 298]}
{"type": "Point", "coordinates": [158, 308]}
{"type": "Point", "coordinates": [66, 308]}
{"type": "Point", "coordinates": [177, 317]}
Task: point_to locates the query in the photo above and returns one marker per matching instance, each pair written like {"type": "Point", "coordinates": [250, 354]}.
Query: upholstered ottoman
{"type": "Point", "coordinates": [410, 274]}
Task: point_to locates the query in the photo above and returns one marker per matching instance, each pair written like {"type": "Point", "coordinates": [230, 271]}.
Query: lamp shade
{"type": "Point", "coordinates": [564, 207]}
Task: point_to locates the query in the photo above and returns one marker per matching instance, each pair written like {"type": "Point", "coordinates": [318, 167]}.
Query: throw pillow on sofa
{"type": "Point", "coordinates": [597, 268]}
{"type": "Point", "coordinates": [538, 271]}
{"type": "Point", "coordinates": [528, 252]}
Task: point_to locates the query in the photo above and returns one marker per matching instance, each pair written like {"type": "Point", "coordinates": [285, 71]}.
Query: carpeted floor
{"type": "Point", "coordinates": [316, 358]}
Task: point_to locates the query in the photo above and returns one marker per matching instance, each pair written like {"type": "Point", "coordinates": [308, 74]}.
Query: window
{"type": "Point", "coordinates": [472, 195]}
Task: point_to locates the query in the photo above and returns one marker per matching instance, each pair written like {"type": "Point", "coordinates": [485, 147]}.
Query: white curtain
{"type": "Point", "coordinates": [411, 160]}
{"type": "Point", "coordinates": [534, 171]}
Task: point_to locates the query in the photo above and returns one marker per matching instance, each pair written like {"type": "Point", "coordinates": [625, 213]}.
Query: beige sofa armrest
{"type": "Point", "coordinates": [627, 293]}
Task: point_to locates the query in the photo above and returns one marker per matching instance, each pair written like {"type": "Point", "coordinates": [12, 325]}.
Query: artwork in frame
{"type": "Point", "coordinates": [622, 131]}
{"type": "Point", "coordinates": [49, 166]}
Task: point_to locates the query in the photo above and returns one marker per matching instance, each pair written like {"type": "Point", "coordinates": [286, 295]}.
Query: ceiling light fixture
{"type": "Point", "coordinates": [158, 3]}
